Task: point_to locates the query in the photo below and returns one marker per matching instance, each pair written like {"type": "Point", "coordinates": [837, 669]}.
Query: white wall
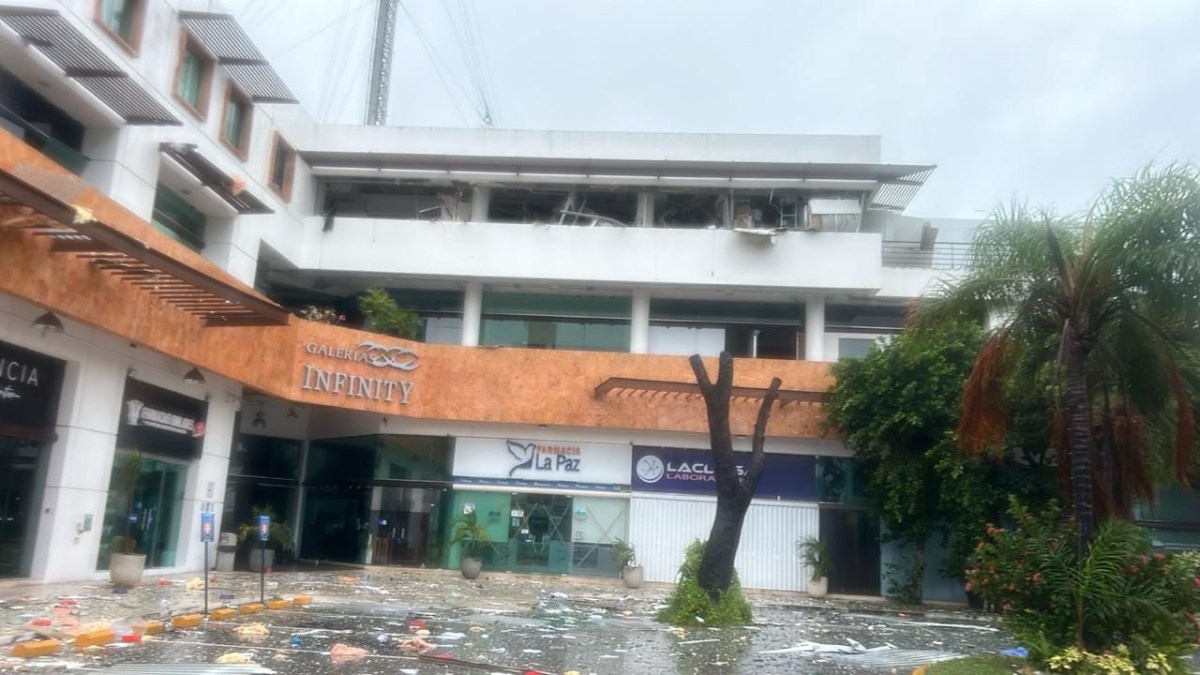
{"type": "Point", "coordinates": [502, 251]}
{"type": "Point", "coordinates": [79, 463]}
{"type": "Point", "coordinates": [685, 341]}
{"type": "Point", "coordinates": [598, 145]}
{"type": "Point", "coordinates": [661, 527]}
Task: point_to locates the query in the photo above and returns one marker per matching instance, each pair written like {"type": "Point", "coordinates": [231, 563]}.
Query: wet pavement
{"type": "Point", "coordinates": [427, 621]}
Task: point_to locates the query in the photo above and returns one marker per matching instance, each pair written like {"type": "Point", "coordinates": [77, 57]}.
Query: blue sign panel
{"type": "Point", "coordinates": [681, 470]}
{"type": "Point", "coordinates": [208, 523]}
{"type": "Point", "coordinates": [264, 528]}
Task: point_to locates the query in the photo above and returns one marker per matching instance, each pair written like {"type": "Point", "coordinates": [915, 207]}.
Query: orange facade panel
{"type": "Point", "coordinates": [325, 365]}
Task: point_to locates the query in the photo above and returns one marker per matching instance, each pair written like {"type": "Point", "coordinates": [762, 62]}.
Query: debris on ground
{"type": "Point", "coordinates": [341, 653]}
{"type": "Point", "coordinates": [252, 631]}
{"type": "Point", "coordinates": [236, 657]}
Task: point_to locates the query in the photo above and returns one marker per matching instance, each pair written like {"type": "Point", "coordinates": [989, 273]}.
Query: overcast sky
{"type": "Point", "coordinates": [1045, 101]}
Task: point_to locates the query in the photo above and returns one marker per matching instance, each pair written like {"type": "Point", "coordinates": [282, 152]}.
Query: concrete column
{"type": "Point", "coordinates": [645, 209]}
{"type": "Point", "coordinates": [639, 323]}
{"type": "Point", "coordinates": [814, 328]}
{"type": "Point", "coordinates": [472, 313]}
{"type": "Point", "coordinates": [480, 199]}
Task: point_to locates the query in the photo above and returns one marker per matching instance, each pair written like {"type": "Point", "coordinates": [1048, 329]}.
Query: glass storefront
{"type": "Point", "coordinates": [29, 390]}
{"type": "Point", "coordinates": [263, 477]}
{"type": "Point", "coordinates": [159, 436]}
{"type": "Point", "coordinates": [20, 486]}
{"type": "Point", "coordinates": [545, 533]}
{"type": "Point", "coordinates": [144, 506]}
{"type": "Point", "coordinates": [376, 499]}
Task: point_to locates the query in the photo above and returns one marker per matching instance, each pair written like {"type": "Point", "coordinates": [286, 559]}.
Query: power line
{"type": "Point", "coordinates": [304, 40]}
{"type": "Point", "coordinates": [489, 82]}
{"type": "Point", "coordinates": [436, 59]}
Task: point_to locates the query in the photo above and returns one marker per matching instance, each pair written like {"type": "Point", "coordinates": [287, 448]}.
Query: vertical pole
{"type": "Point", "coordinates": [206, 578]}
{"type": "Point", "coordinates": [262, 573]}
{"type": "Point", "coordinates": [472, 313]}
{"type": "Point", "coordinates": [814, 328]}
{"type": "Point", "coordinates": [639, 323]}
{"type": "Point", "coordinates": [380, 82]}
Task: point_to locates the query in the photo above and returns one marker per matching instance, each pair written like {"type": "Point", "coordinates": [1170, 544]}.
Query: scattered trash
{"type": "Point", "coordinates": [341, 653]}
{"type": "Point", "coordinates": [696, 642]}
{"type": "Point", "coordinates": [416, 646]}
{"type": "Point", "coordinates": [236, 657]}
{"type": "Point", "coordinates": [451, 636]}
{"type": "Point", "coordinates": [806, 647]}
{"type": "Point", "coordinates": [252, 631]}
{"type": "Point", "coordinates": [194, 584]}
{"type": "Point", "coordinates": [1019, 652]}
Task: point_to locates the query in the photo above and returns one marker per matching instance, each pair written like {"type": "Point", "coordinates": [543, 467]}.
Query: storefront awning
{"type": "Point", "coordinates": [80, 60]}
{"type": "Point", "coordinates": [628, 386]}
{"type": "Point", "coordinates": [38, 202]}
{"type": "Point", "coordinates": [189, 157]}
{"type": "Point", "coordinates": [221, 35]}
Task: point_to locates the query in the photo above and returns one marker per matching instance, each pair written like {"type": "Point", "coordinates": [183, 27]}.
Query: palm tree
{"type": "Point", "coordinates": [1102, 311]}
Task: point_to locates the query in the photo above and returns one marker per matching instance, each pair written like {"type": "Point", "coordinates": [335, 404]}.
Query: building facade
{"type": "Point", "coordinates": [168, 212]}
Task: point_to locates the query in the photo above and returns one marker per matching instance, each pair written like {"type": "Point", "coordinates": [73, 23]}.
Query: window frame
{"type": "Point", "coordinates": [242, 149]}
{"type": "Point", "coordinates": [131, 43]}
{"type": "Point", "coordinates": [208, 65]}
{"type": "Point", "coordinates": [284, 190]}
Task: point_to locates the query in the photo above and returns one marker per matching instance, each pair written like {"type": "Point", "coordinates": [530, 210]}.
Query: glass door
{"type": "Point", "coordinates": [19, 493]}
{"type": "Point", "coordinates": [405, 525]}
{"type": "Point", "coordinates": [335, 523]}
{"type": "Point", "coordinates": [145, 503]}
{"type": "Point", "coordinates": [540, 533]}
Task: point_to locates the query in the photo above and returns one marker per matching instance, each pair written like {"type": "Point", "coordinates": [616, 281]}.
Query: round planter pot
{"type": "Point", "coordinates": [634, 576]}
{"type": "Point", "coordinates": [817, 588]}
{"type": "Point", "coordinates": [126, 570]}
{"type": "Point", "coordinates": [256, 559]}
{"type": "Point", "coordinates": [471, 567]}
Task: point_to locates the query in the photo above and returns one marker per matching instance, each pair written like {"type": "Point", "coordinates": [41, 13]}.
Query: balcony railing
{"type": "Point", "coordinates": [70, 158]}
{"type": "Point", "coordinates": [941, 256]}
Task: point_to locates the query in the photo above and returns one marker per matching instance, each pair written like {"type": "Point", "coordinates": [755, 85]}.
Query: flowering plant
{"type": "Point", "coordinates": [322, 315]}
{"type": "Point", "coordinates": [1120, 593]}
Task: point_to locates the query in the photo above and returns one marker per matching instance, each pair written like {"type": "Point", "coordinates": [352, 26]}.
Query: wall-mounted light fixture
{"type": "Point", "coordinates": [49, 323]}
{"type": "Point", "coordinates": [260, 420]}
{"type": "Point", "coordinates": [194, 376]}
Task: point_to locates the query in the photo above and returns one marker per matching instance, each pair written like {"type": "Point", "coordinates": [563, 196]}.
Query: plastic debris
{"type": "Point", "coordinates": [1019, 652]}
{"type": "Point", "coordinates": [236, 657]}
{"type": "Point", "coordinates": [383, 638]}
{"type": "Point", "coordinates": [194, 584]}
{"type": "Point", "coordinates": [451, 636]}
{"type": "Point", "coordinates": [341, 653]}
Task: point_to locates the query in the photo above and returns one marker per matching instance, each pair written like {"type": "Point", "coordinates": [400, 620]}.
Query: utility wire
{"type": "Point", "coordinates": [436, 59]}
{"type": "Point", "coordinates": [304, 40]}
{"type": "Point", "coordinates": [489, 81]}
{"type": "Point", "coordinates": [332, 65]}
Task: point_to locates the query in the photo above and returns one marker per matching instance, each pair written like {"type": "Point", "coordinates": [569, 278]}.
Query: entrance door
{"type": "Point", "coordinates": [335, 523]}
{"type": "Point", "coordinates": [540, 533]}
{"type": "Point", "coordinates": [19, 491]}
{"type": "Point", "coordinates": [145, 503]}
{"type": "Point", "coordinates": [404, 525]}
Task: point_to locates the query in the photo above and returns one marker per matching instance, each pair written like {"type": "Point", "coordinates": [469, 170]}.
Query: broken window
{"type": "Point", "coordinates": [548, 205]}
{"type": "Point", "coordinates": [395, 199]}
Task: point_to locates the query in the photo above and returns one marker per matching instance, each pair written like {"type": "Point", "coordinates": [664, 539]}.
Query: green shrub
{"type": "Point", "coordinates": [690, 605]}
{"type": "Point", "coordinates": [1120, 599]}
{"type": "Point", "coordinates": [385, 317]}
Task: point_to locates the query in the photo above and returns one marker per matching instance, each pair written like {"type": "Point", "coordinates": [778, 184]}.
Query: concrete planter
{"type": "Point", "coordinates": [256, 559]}
{"type": "Point", "coordinates": [471, 567]}
{"type": "Point", "coordinates": [634, 576]}
{"type": "Point", "coordinates": [817, 588]}
{"type": "Point", "coordinates": [126, 570]}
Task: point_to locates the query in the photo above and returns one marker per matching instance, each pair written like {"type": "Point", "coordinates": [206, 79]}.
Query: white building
{"type": "Point", "coordinates": [595, 260]}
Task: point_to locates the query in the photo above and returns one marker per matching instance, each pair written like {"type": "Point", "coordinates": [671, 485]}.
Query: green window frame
{"type": "Point", "coordinates": [177, 218]}
{"type": "Point", "coordinates": [191, 76]}
{"type": "Point", "coordinates": [118, 15]}
{"type": "Point", "coordinates": [234, 123]}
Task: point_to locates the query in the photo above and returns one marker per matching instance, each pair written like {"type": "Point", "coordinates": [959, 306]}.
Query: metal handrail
{"type": "Point", "coordinates": [69, 157]}
{"type": "Point", "coordinates": [939, 256]}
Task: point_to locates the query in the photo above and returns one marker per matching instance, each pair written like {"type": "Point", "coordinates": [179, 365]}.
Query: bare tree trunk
{"type": "Point", "coordinates": [733, 492]}
{"type": "Point", "coordinates": [1079, 439]}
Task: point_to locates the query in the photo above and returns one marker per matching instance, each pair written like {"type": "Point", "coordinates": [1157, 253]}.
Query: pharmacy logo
{"type": "Point", "coordinates": [650, 469]}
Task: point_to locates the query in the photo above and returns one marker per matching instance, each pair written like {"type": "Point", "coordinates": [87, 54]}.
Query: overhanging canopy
{"type": "Point", "coordinates": [80, 60]}
{"type": "Point", "coordinates": [189, 157]}
{"type": "Point", "coordinates": [221, 35]}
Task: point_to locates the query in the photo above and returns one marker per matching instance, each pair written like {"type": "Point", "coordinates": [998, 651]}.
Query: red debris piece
{"type": "Point", "coordinates": [132, 637]}
{"type": "Point", "coordinates": [40, 622]}
{"type": "Point", "coordinates": [164, 582]}
{"type": "Point", "coordinates": [68, 603]}
{"type": "Point", "coordinates": [417, 624]}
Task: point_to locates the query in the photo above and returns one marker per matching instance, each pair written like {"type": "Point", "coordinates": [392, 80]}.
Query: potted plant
{"type": "Point", "coordinates": [471, 538]}
{"type": "Point", "coordinates": [631, 572]}
{"type": "Point", "coordinates": [278, 537]}
{"type": "Point", "coordinates": [125, 564]}
{"type": "Point", "coordinates": [815, 554]}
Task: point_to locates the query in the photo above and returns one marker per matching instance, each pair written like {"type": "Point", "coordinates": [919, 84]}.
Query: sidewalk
{"type": "Point", "coordinates": [556, 623]}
